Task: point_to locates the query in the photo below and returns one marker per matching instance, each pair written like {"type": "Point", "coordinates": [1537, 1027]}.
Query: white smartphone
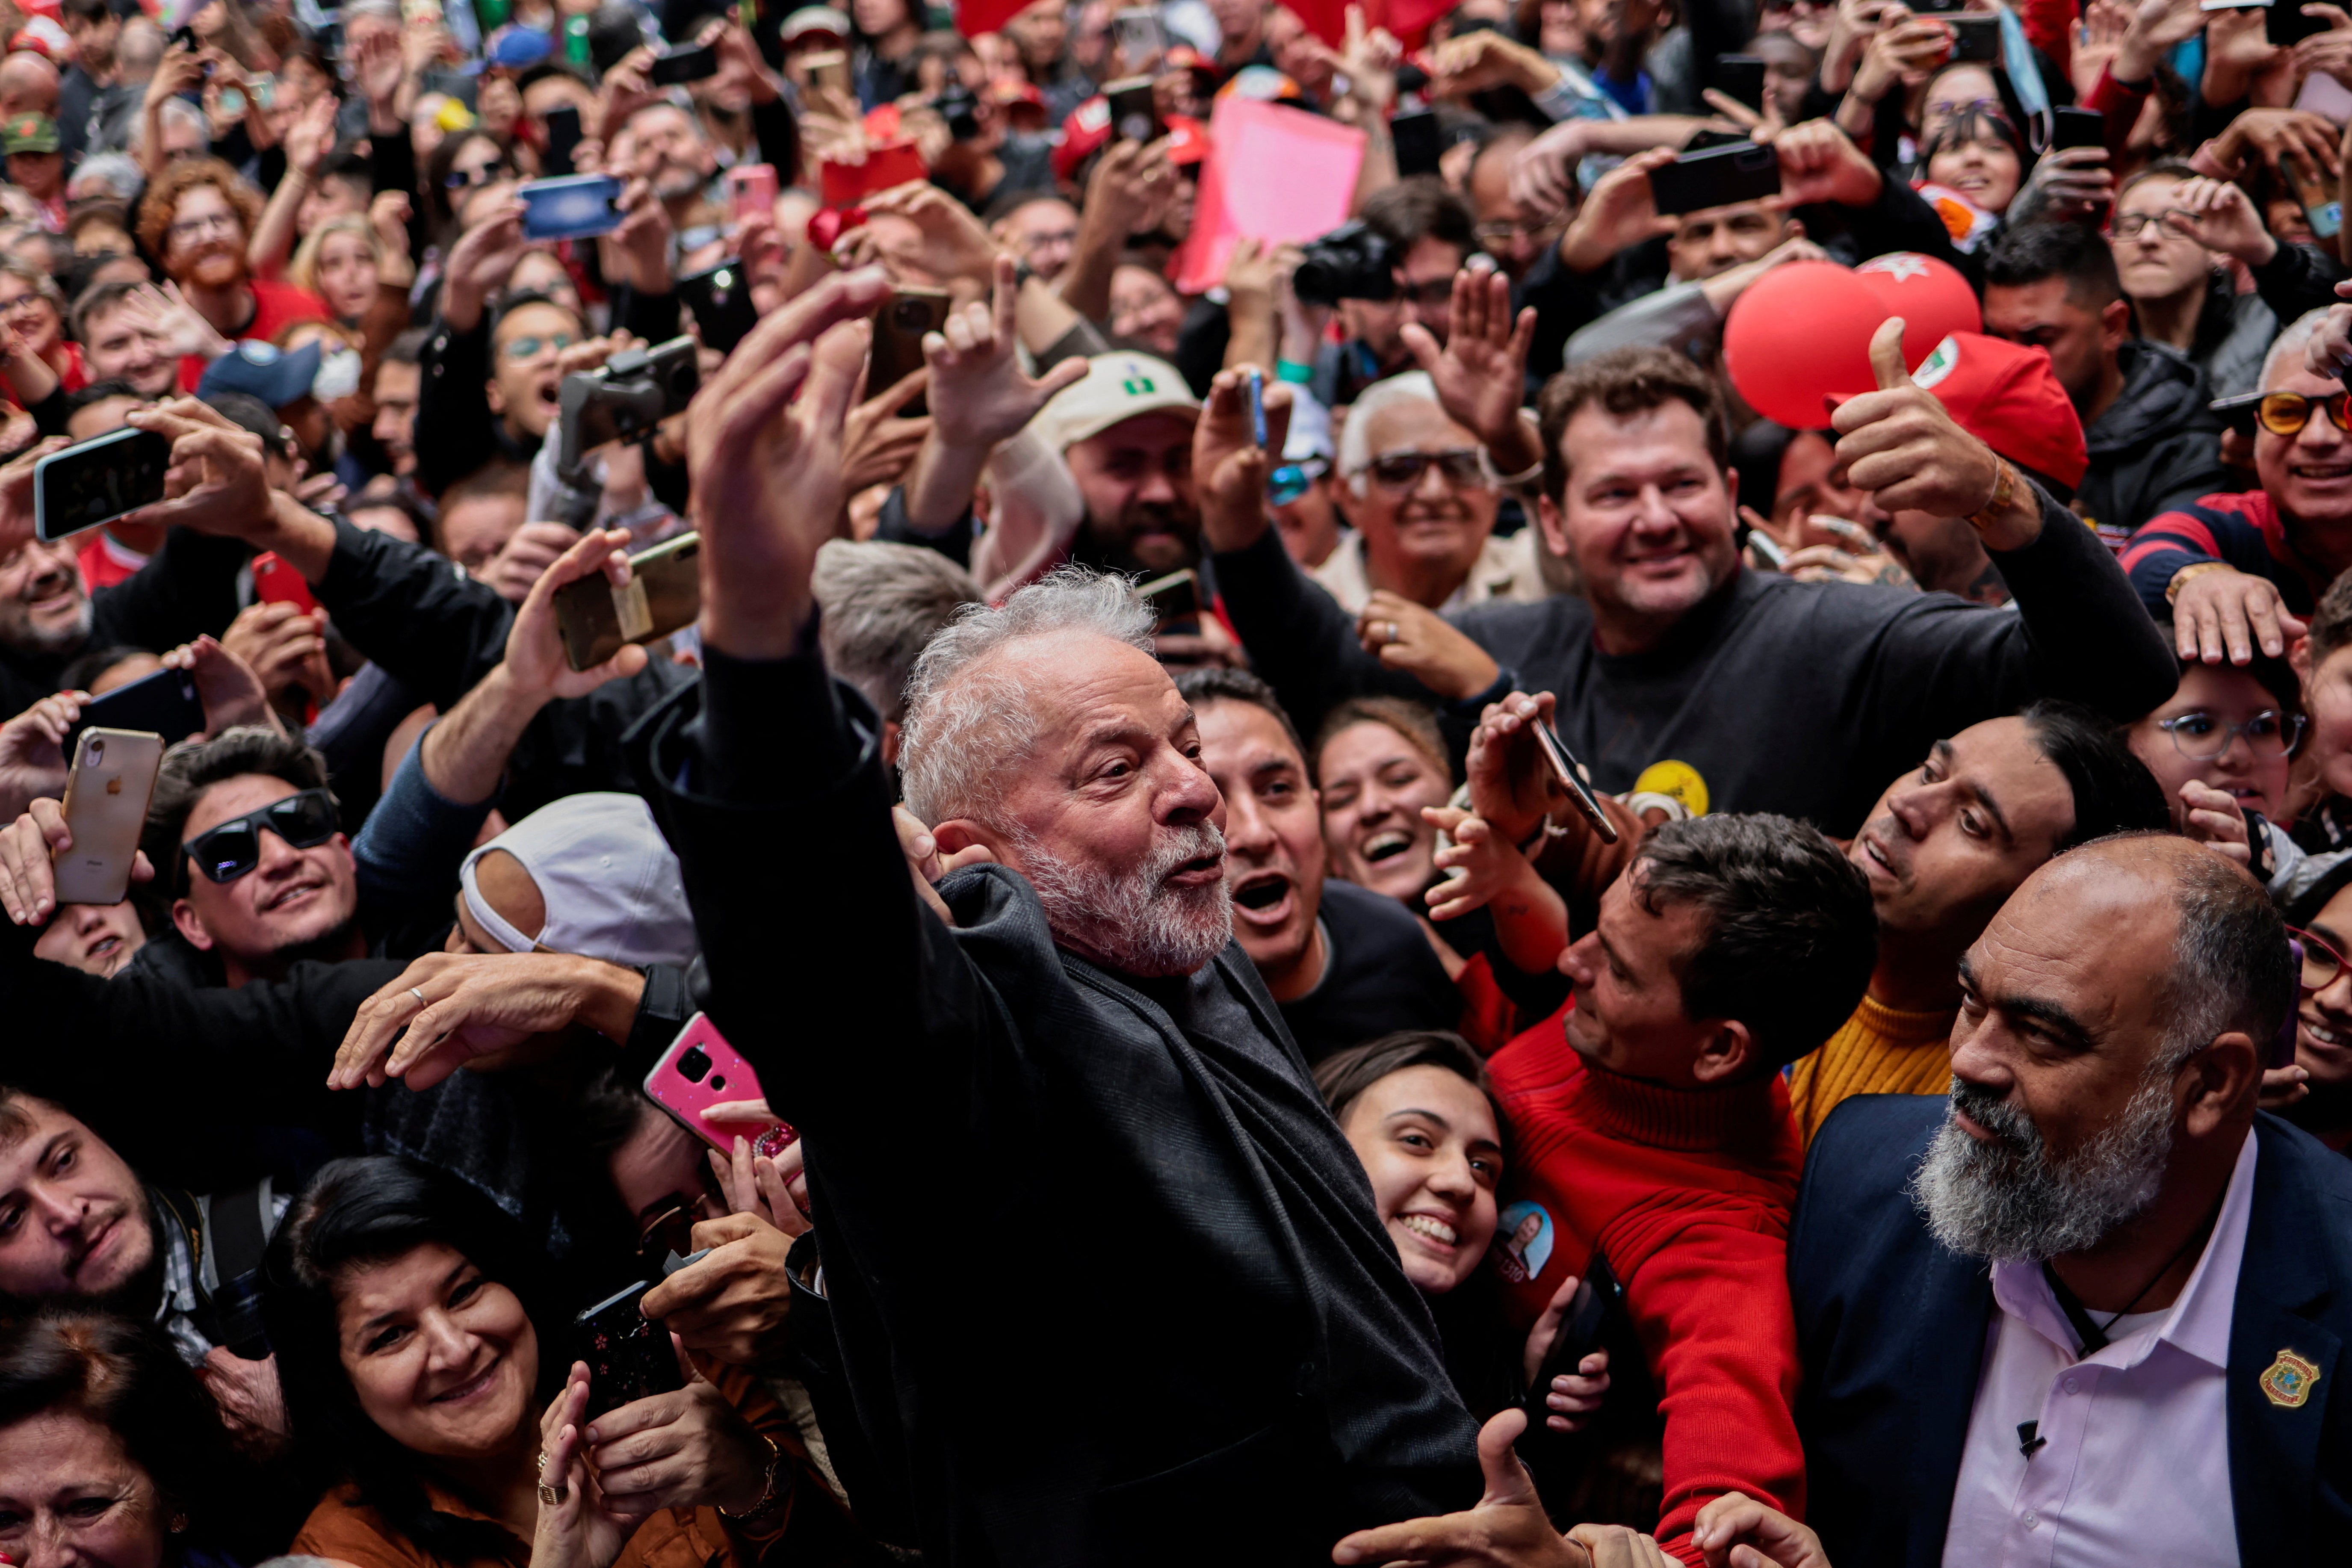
{"type": "Point", "coordinates": [107, 792]}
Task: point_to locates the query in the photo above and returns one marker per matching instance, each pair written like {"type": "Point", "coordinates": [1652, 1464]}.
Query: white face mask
{"type": "Point", "coordinates": [338, 375]}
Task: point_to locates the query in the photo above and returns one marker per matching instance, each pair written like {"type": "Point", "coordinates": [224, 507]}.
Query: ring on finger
{"type": "Point", "coordinates": [549, 1496]}
{"type": "Point", "coordinates": [418, 993]}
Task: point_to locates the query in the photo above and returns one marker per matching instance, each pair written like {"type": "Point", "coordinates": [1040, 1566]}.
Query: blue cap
{"type": "Point", "coordinates": [515, 48]}
{"type": "Point", "coordinates": [276, 376]}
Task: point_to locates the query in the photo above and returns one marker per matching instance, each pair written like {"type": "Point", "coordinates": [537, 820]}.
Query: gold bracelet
{"type": "Point", "coordinates": [2004, 490]}
{"type": "Point", "coordinates": [2181, 577]}
{"type": "Point", "coordinates": [768, 1497]}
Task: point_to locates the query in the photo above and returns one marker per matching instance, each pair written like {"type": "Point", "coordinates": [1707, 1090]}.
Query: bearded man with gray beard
{"type": "Point", "coordinates": [2090, 1311]}
{"type": "Point", "coordinates": [1104, 1278]}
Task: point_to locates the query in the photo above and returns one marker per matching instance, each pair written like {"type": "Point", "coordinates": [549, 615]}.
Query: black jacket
{"type": "Point", "coordinates": [188, 589]}
{"type": "Point", "coordinates": [2156, 447]}
{"type": "Point", "coordinates": [1891, 1329]}
{"type": "Point", "coordinates": [1804, 698]}
{"type": "Point", "coordinates": [1105, 1278]}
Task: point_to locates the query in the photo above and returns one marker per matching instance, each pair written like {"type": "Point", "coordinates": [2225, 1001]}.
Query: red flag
{"type": "Point", "coordinates": [974, 17]}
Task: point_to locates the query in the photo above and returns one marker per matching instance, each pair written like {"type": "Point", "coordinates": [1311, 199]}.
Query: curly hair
{"type": "Point", "coordinates": [163, 198]}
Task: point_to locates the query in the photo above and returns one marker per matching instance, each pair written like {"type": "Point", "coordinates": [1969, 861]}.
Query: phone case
{"type": "Point", "coordinates": [665, 593]}
{"type": "Point", "coordinates": [1720, 176]}
{"type": "Point", "coordinates": [275, 582]}
{"type": "Point", "coordinates": [105, 810]}
{"type": "Point", "coordinates": [97, 480]}
{"type": "Point", "coordinates": [574, 207]}
{"type": "Point", "coordinates": [165, 703]}
{"type": "Point", "coordinates": [1134, 111]}
{"type": "Point", "coordinates": [898, 352]}
{"type": "Point", "coordinates": [700, 1070]}
{"type": "Point", "coordinates": [629, 1356]}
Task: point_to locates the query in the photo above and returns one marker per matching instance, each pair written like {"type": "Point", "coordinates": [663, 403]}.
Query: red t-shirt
{"type": "Point", "coordinates": [275, 307]}
{"type": "Point", "coordinates": [104, 562]}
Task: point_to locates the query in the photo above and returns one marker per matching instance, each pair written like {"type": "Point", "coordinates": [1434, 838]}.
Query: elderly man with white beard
{"type": "Point", "coordinates": [1107, 1281]}
{"type": "Point", "coordinates": [2092, 1311]}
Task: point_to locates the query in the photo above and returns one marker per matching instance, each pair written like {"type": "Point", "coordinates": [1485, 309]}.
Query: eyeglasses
{"type": "Point", "coordinates": [190, 227]}
{"type": "Point", "coordinates": [459, 179]}
{"type": "Point", "coordinates": [2199, 735]}
{"type": "Point", "coordinates": [1436, 291]}
{"type": "Point", "coordinates": [1502, 233]}
{"type": "Point", "coordinates": [223, 853]}
{"type": "Point", "coordinates": [529, 347]}
{"type": "Point", "coordinates": [2286, 413]}
{"type": "Point", "coordinates": [27, 300]}
{"type": "Point", "coordinates": [667, 1229]}
{"type": "Point", "coordinates": [1291, 481]}
{"type": "Point", "coordinates": [2172, 220]}
{"type": "Point", "coordinates": [2321, 962]}
{"type": "Point", "coordinates": [1462, 468]}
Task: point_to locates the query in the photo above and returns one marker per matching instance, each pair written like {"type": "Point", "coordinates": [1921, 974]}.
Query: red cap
{"type": "Point", "coordinates": [2008, 396]}
{"type": "Point", "coordinates": [1188, 140]}
{"type": "Point", "coordinates": [1086, 127]}
{"type": "Point", "coordinates": [1186, 57]}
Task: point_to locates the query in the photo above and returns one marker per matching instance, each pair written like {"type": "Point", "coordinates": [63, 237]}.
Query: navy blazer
{"type": "Point", "coordinates": [1891, 1325]}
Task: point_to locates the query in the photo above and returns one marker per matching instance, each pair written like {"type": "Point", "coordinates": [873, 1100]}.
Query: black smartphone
{"type": "Point", "coordinates": [96, 481]}
{"type": "Point", "coordinates": [960, 109]}
{"type": "Point", "coordinates": [1741, 78]}
{"type": "Point", "coordinates": [1935, 8]}
{"type": "Point", "coordinates": [2071, 127]}
{"type": "Point", "coordinates": [629, 1357]}
{"type": "Point", "coordinates": [683, 63]}
{"type": "Point", "coordinates": [1718, 177]}
{"type": "Point", "coordinates": [1134, 113]}
{"type": "Point", "coordinates": [720, 299]}
{"type": "Point", "coordinates": [1578, 1336]}
{"type": "Point", "coordinates": [1173, 598]}
{"type": "Point", "coordinates": [1414, 135]}
{"type": "Point", "coordinates": [563, 138]}
{"type": "Point", "coordinates": [597, 620]}
{"type": "Point", "coordinates": [2238, 412]}
{"type": "Point", "coordinates": [1974, 37]}
{"type": "Point", "coordinates": [899, 329]}
{"type": "Point", "coordinates": [165, 703]}
{"type": "Point", "coordinates": [2285, 24]}
{"type": "Point", "coordinates": [1570, 773]}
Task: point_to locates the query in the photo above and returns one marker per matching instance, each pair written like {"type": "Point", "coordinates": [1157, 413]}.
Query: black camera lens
{"type": "Point", "coordinates": [910, 315]}
{"type": "Point", "coordinates": [693, 1064]}
{"type": "Point", "coordinates": [1352, 262]}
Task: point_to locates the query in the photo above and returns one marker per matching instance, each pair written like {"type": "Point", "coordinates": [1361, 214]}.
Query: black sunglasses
{"type": "Point", "coordinates": [223, 853]}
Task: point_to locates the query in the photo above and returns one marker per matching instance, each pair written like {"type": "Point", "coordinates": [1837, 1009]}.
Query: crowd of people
{"type": "Point", "coordinates": [1515, 963]}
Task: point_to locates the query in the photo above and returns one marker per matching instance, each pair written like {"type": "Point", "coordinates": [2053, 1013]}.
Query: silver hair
{"type": "Point", "coordinates": [882, 603]}
{"type": "Point", "coordinates": [113, 174]}
{"type": "Point", "coordinates": [969, 715]}
{"type": "Point", "coordinates": [1356, 452]}
{"type": "Point", "coordinates": [2296, 336]}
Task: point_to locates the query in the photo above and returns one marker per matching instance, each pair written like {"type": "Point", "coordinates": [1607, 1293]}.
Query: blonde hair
{"type": "Point", "coordinates": [303, 271]}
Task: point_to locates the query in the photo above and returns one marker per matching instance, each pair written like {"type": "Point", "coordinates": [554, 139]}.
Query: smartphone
{"type": "Point", "coordinates": [2238, 412]}
{"type": "Point", "coordinates": [275, 582]}
{"type": "Point", "coordinates": [1173, 598]}
{"type": "Point", "coordinates": [1767, 547]}
{"type": "Point", "coordinates": [1256, 392]}
{"type": "Point", "coordinates": [563, 138]}
{"type": "Point", "coordinates": [1580, 1335]}
{"type": "Point", "coordinates": [2317, 193]}
{"type": "Point", "coordinates": [683, 63]}
{"type": "Point", "coordinates": [1138, 32]}
{"type": "Point", "coordinates": [574, 207]}
{"type": "Point", "coordinates": [97, 480]}
{"type": "Point", "coordinates": [107, 791]}
{"type": "Point", "coordinates": [899, 329]}
{"type": "Point", "coordinates": [1570, 773]}
{"type": "Point", "coordinates": [1414, 135]}
{"type": "Point", "coordinates": [2230, 4]}
{"type": "Point", "coordinates": [1134, 113]}
{"type": "Point", "coordinates": [885, 165]}
{"type": "Point", "coordinates": [700, 1070]}
{"type": "Point", "coordinates": [1741, 78]}
{"type": "Point", "coordinates": [629, 1356]}
{"type": "Point", "coordinates": [1935, 8]}
{"type": "Point", "coordinates": [2285, 24]}
{"type": "Point", "coordinates": [635, 390]}
{"type": "Point", "coordinates": [165, 703]}
{"type": "Point", "coordinates": [1974, 38]}
{"type": "Point", "coordinates": [597, 620]}
{"type": "Point", "coordinates": [1718, 177]}
{"type": "Point", "coordinates": [720, 299]}
{"type": "Point", "coordinates": [828, 69]}
{"type": "Point", "coordinates": [752, 192]}
{"type": "Point", "coordinates": [2073, 127]}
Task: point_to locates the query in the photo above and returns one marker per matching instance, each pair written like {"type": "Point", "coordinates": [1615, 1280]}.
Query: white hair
{"type": "Point", "coordinates": [2293, 340]}
{"type": "Point", "coordinates": [171, 111]}
{"type": "Point", "coordinates": [113, 174]}
{"type": "Point", "coordinates": [1356, 452]}
{"type": "Point", "coordinates": [965, 726]}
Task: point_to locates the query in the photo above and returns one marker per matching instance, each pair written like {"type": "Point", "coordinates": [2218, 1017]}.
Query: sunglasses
{"type": "Point", "coordinates": [1291, 481]}
{"type": "Point", "coordinates": [459, 179]}
{"type": "Point", "coordinates": [529, 347]}
{"type": "Point", "coordinates": [1436, 291]}
{"type": "Point", "coordinates": [223, 853]}
{"type": "Point", "coordinates": [1464, 468]}
{"type": "Point", "coordinates": [2286, 413]}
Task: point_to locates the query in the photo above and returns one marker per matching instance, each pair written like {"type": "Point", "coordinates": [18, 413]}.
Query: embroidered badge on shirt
{"type": "Point", "coordinates": [2287, 1381]}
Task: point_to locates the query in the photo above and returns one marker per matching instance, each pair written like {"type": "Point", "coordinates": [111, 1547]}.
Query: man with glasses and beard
{"type": "Point", "coordinates": [2148, 1369]}
{"type": "Point", "coordinates": [197, 218]}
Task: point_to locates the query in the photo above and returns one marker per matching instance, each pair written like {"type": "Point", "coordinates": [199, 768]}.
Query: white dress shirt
{"type": "Point", "coordinates": [2134, 1464]}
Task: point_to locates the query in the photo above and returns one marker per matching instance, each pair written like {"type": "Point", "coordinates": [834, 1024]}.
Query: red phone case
{"type": "Point", "coordinates": [888, 165]}
{"type": "Point", "coordinates": [700, 1070]}
{"type": "Point", "coordinates": [278, 584]}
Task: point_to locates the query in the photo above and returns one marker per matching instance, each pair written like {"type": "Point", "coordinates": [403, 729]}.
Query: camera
{"type": "Point", "coordinates": [960, 108]}
{"type": "Point", "coordinates": [635, 390]}
{"type": "Point", "coordinates": [1352, 262]}
{"type": "Point", "coordinates": [694, 1065]}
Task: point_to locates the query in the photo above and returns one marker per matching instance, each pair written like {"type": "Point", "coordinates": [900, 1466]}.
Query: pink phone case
{"type": "Point", "coordinates": [700, 1069]}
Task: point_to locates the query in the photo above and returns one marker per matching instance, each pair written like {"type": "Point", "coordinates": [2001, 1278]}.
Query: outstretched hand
{"type": "Point", "coordinates": [1507, 1528]}
{"type": "Point", "coordinates": [979, 394]}
{"type": "Point", "coordinates": [1229, 468]}
{"type": "Point", "coordinates": [1481, 371]}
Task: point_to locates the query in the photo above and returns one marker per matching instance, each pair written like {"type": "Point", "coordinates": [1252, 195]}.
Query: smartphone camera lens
{"type": "Point", "coordinates": [909, 315]}
{"type": "Point", "coordinates": [720, 1081]}
{"type": "Point", "coordinates": [694, 1064]}
{"type": "Point", "coordinates": [97, 754]}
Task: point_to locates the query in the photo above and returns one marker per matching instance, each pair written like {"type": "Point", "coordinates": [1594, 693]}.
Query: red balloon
{"type": "Point", "coordinates": [1798, 336]}
{"type": "Point", "coordinates": [1931, 297]}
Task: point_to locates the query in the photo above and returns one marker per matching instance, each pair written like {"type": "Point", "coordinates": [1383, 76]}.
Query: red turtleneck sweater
{"type": "Point", "coordinates": [1687, 1193]}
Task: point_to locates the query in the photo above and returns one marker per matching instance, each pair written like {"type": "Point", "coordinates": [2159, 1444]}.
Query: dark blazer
{"type": "Point", "coordinates": [1108, 1288]}
{"type": "Point", "coordinates": [1891, 1327]}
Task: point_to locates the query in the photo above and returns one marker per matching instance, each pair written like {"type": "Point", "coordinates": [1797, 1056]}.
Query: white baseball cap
{"type": "Point", "coordinates": [612, 887]}
{"type": "Point", "coordinates": [1118, 386]}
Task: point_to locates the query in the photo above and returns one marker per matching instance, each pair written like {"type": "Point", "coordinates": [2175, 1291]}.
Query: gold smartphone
{"type": "Point", "coordinates": [663, 593]}
{"type": "Point", "coordinates": [107, 792]}
{"type": "Point", "coordinates": [899, 329]}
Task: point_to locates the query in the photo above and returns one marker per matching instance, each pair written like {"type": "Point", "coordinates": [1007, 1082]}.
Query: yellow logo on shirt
{"type": "Point", "coordinates": [2288, 1381]}
{"type": "Point", "coordinates": [1679, 781]}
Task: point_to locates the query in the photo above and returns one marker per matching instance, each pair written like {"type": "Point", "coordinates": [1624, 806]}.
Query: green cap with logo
{"type": "Point", "coordinates": [1118, 386]}
{"type": "Point", "coordinates": [28, 133]}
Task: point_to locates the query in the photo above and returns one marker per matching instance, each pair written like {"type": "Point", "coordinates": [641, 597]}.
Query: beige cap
{"type": "Point", "coordinates": [1118, 386]}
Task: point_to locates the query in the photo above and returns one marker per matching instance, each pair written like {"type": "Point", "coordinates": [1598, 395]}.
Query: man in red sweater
{"type": "Point", "coordinates": [1650, 1125]}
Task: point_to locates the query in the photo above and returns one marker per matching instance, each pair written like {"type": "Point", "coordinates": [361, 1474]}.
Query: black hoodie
{"type": "Point", "coordinates": [2156, 447]}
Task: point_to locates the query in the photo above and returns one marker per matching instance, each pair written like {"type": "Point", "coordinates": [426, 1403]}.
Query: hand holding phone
{"type": "Point", "coordinates": [577, 207]}
{"type": "Point", "coordinates": [699, 1072]}
{"type": "Point", "coordinates": [629, 1356]}
{"type": "Point", "coordinates": [1570, 773]}
{"type": "Point", "coordinates": [107, 792]}
{"type": "Point", "coordinates": [97, 480]}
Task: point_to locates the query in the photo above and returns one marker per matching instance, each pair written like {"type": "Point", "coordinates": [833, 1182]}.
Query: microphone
{"type": "Point", "coordinates": [2026, 1441]}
